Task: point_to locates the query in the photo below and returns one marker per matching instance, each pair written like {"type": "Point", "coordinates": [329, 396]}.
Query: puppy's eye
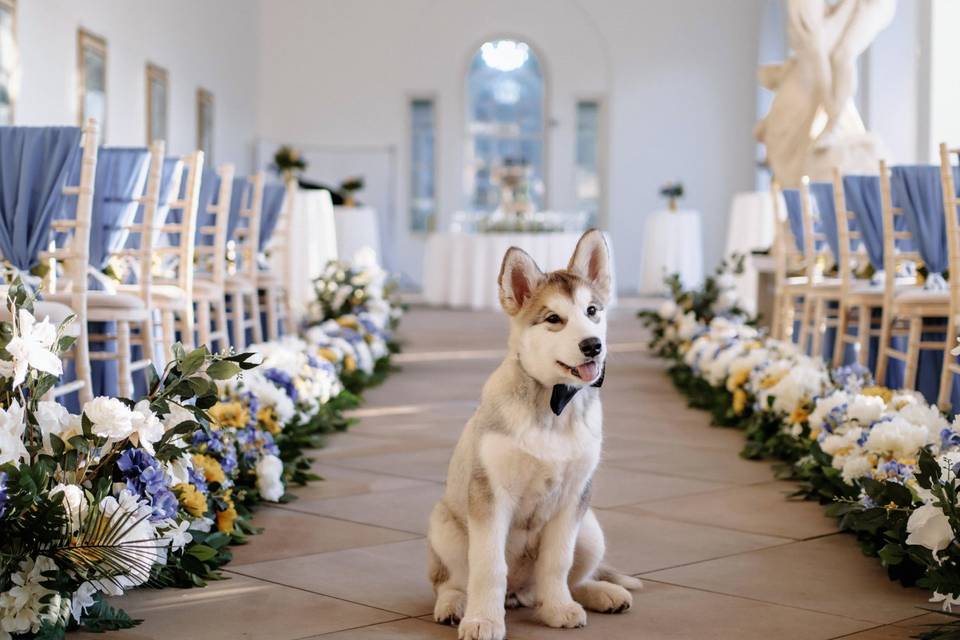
{"type": "Point", "coordinates": [553, 319]}
{"type": "Point", "coordinates": [592, 311]}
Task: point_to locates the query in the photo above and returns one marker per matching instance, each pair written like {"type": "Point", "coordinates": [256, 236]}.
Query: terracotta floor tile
{"type": "Point", "coordinates": [288, 534]}
{"type": "Point", "coordinates": [826, 574]}
{"type": "Point", "coordinates": [760, 508]}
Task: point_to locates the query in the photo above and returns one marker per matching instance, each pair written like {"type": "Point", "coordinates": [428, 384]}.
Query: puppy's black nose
{"type": "Point", "coordinates": [591, 347]}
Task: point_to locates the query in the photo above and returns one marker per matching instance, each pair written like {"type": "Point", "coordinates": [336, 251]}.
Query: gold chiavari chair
{"type": "Point", "coordinates": [274, 283]}
{"type": "Point", "coordinates": [950, 205]}
{"type": "Point", "coordinates": [241, 287]}
{"type": "Point", "coordinates": [907, 310]}
{"type": "Point", "coordinates": [789, 288]}
{"type": "Point", "coordinates": [819, 290]}
{"type": "Point", "coordinates": [211, 266]}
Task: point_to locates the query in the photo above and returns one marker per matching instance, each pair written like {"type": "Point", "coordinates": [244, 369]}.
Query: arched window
{"type": "Point", "coordinates": [505, 121]}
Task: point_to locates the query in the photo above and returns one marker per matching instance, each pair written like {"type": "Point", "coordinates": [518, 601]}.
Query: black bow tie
{"type": "Point", "coordinates": [563, 394]}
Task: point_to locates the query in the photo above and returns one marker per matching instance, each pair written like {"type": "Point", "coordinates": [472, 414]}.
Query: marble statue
{"type": "Point", "coordinates": [813, 124]}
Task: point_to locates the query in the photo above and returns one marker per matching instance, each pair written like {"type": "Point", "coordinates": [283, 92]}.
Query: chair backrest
{"type": "Point", "coordinates": [275, 243]}
{"type": "Point", "coordinates": [851, 250]}
{"type": "Point", "coordinates": [211, 233]}
{"type": "Point", "coordinates": [896, 235]}
{"type": "Point", "coordinates": [178, 229]}
{"type": "Point", "coordinates": [816, 250]}
{"type": "Point", "coordinates": [861, 196]}
{"type": "Point", "coordinates": [950, 205]}
{"type": "Point", "coordinates": [917, 191]}
{"type": "Point", "coordinates": [246, 233]}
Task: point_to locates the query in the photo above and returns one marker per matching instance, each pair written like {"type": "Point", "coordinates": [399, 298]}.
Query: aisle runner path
{"type": "Point", "coordinates": [722, 552]}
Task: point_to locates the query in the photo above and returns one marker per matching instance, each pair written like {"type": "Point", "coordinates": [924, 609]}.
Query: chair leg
{"type": "Point", "coordinates": [864, 324]}
{"type": "Point", "coordinates": [819, 318]}
{"type": "Point", "coordinates": [203, 323]}
{"type": "Point", "coordinates": [805, 323]}
{"type": "Point", "coordinates": [187, 326]}
{"type": "Point", "coordinates": [124, 359]}
{"type": "Point", "coordinates": [946, 375]}
{"type": "Point", "coordinates": [220, 309]}
{"type": "Point", "coordinates": [840, 342]}
{"type": "Point", "coordinates": [271, 299]}
{"type": "Point", "coordinates": [288, 327]}
{"type": "Point", "coordinates": [82, 362]}
{"type": "Point", "coordinates": [913, 353]}
{"type": "Point", "coordinates": [883, 349]}
{"type": "Point", "coordinates": [257, 325]}
{"type": "Point", "coordinates": [239, 331]}
{"type": "Point", "coordinates": [167, 328]}
{"type": "Point", "coordinates": [776, 321]}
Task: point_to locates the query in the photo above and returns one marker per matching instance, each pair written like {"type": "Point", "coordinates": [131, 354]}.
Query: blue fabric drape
{"type": "Point", "coordinates": [273, 197]}
{"type": "Point", "coordinates": [862, 196]}
{"type": "Point", "coordinates": [241, 193]}
{"type": "Point", "coordinates": [795, 215]}
{"type": "Point", "coordinates": [121, 179]}
{"type": "Point", "coordinates": [35, 164]}
{"type": "Point", "coordinates": [918, 192]}
{"type": "Point", "coordinates": [825, 220]}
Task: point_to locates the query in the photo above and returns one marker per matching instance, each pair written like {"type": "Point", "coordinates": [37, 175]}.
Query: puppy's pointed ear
{"type": "Point", "coordinates": [519, 278]}
{"type": "Point", "coordinates": [591, 260]}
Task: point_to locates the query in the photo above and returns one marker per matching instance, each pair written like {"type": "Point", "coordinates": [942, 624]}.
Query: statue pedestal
{"type": "Point", "coordinates": [852, 153]}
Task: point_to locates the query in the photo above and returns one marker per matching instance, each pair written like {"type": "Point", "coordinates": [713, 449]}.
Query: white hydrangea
{"type": "Point", "coordinates": [898, 437]}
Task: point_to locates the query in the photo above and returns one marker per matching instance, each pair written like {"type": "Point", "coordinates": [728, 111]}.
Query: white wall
{"type": "Point", "coordinates": [677, 80]}
{"type": "Point", "coordinates": [208, 43]}
{"type": "Point", "coordinates": [944, 89]}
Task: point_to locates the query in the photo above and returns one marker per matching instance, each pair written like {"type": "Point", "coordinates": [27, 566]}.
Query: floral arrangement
{"type": "Point", "coordinates": [288, 161]}
{"type": "Point", "coordinates": [886, 463]}
{"type": "Point", "coordinates": [153, 492]}
{"type": "Point", "coordinates": [672, 191]}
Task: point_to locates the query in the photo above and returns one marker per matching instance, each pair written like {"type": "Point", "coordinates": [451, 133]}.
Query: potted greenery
{"type": "Point", "coordinates": [672, 191]}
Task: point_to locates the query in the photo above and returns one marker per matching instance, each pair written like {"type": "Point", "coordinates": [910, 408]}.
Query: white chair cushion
{"type": "Point", "coordinates": [919, 295]}
{"type": "Point", "coordinates": [55, 311]}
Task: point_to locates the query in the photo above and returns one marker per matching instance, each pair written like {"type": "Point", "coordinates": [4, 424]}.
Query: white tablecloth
{"type": "Point", "coordinates": [313, 243]}
{"type": "Point", "coordinates": [357, 227]}
{"type": "Point", "coordinates": [672, 243]}
{"type": "Point", "coordinates": [751, 226]}
{"type": "Point", "coordinates": [461, 269]}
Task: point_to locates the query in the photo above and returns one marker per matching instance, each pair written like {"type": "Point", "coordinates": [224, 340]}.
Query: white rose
{"type": "Point", "coordinates": [865, 409]}
{"type": "Point", "coordinates": [269, 478]}
{"type": "Point", "coordinates": [929, 527]}
{"type": "Point", "coordinates": [74, 503]}
{"type": "Point", "coordinates": [12, 425]}
{"type": "Point", "coordinates": [856, 467]}
{"type": "Point", "coordinates": [667, 310]}
{"type": "Point", "coordinates": [110, 418]}
{"type": "Point", "coordinates": [147, 428]}
{"type": "Point", "coordinates": [897, 437]}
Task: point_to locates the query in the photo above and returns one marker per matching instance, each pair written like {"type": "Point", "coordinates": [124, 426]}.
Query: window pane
{"type": "Point", "coordinates": [423, 201]}
{"type": "Point", "coordinates": [505, 128]}
{"type": "Point", "coordinates": [587, 175]}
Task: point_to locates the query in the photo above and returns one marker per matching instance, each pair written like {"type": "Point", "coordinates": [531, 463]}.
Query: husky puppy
{"type": "Point", "coordinates": [515, 527]}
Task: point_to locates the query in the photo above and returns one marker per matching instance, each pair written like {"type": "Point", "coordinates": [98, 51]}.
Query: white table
{"type": "Point", "coordinates": [313, 243]}
{"type": "Point", "coordinates": [751, 226]}
{"type": "Point", "coordinates": [672, 243]}
{"type": "Point", "coordinates": [461, 269]}
{"type": "Point", "coordinates": [357, 227]}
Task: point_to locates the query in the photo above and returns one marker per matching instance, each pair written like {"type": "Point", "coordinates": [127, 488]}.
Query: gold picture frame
{"type": "Point", "coordinates": [8, 60]}
{"type": "Point", "coordinates": [92, 79]}
{"type": "Point", "coordinates": [158, 103]}
{"type": "Point", "coordinates": [205, 124]}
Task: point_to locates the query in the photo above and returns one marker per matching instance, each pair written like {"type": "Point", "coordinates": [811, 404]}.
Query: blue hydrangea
{"type": "Point", "coordinates": [3, 493]}
{"type": "Point", "coordinates": [853, 377]}
{"type": "Point", "coordinates": [211, 441]}
{"type": "Point", "coordinates": [949, 438]}
{"type": "Point", "coordinates": [197, 480]}
{"type": "Point", "coordinates": [283, 380]}
{"type": "Point", "coordinates": [145, 478]}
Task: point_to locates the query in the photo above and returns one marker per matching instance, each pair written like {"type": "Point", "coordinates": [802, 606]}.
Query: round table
{"type": "Point", "coordinates": [312, 242]}
{"type": "Point", "coordinates": [751, 227]}
{"type": "Point", "coordinates": [461, 269]}
{"type": "Point", "coordinates": [672, 243]}
{"type": "Point", "coordinates": [357, 228]}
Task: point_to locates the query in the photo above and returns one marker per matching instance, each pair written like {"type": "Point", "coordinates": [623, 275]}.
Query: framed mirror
{"type": "Point", "coordinates": [157, 100]}
{"type": "Point", "coordinates": [205, 124]}
{"type": "Point", "coordinates": [8, 59]}
{"type": "Point", "coordinates": [92, 79]}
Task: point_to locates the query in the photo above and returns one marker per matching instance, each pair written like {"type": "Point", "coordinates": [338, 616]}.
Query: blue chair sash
{"type": "Point", "coordinates": [795, 215]}
{"type": "Point", "coordinates": [240, 195]}
{"type": "Point", "coordinates": [121, 178]}
{"type": "Point", "coordinates": [825, 219]}
{"type": "Point", "coordinates": [862, 197]}
{"type": "Point", "coordinates": [273, 197]}
{"type": "Point", "coordinates": [35, 163]}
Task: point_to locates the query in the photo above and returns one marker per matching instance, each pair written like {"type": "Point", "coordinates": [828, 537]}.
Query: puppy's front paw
{"type": "Point", "coordinates": [449, 606]}
{"type": "Point", "coordinates": [563, 616]}
{"type": "Point", "coordinates": [482, 629]}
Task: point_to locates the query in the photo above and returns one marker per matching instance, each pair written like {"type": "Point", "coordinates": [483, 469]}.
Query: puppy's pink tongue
{"type": "Point", "coordinates": [587, 372]}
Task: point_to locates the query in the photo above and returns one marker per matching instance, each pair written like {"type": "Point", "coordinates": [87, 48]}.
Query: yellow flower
{"type": "Point", "coordinates": [229, 414]}
{"type": "Point", "coordinates": [349, 363]}
{"type": "Point", "coordinates": [210, 468]}
{"type": "Point", "coordinates": [329, 355]}
{"type": "Point", "coordinates": [814, 433]}
{"type": "Point", "coordinates": [880, 392]}
{"type": "Point", "coordinates": [227, 517]}
{"type": "Point", "coordinates": [772, 380]}
{"type": "Point", "coordinates": [191, 499]}
{"type": "Point", "coordinates": [798, 415]}
{"type": "Point", "coordinates": [739, 401]}
{"type": "Point", "coordinates": [736, 381]}
{"type": "Point", "coordinates": [348, 322]}
{"type": "Point", "coordinates": [267, 418]}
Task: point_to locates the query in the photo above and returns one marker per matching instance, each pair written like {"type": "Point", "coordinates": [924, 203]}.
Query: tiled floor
{"type": "Point", "coordinates": [723, 553]}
